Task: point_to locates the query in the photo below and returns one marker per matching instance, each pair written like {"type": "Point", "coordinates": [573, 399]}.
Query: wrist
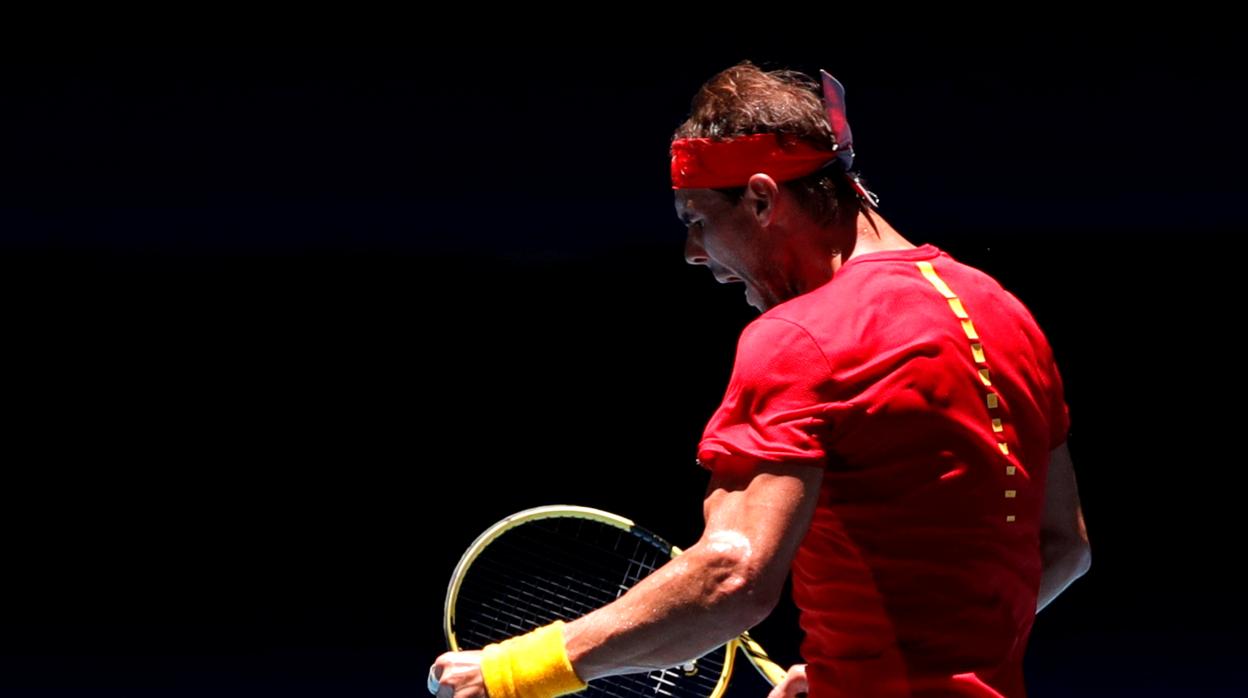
{"type": "Point", "coordinates": [535, 665]}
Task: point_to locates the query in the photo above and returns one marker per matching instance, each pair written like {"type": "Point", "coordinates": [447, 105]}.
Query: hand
{"type": "Point", "coordinates": [459, 675]}
{"type": "Point", "coordinates": [794, 684]}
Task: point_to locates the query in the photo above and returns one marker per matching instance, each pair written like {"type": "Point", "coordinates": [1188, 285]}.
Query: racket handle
{"type": "Point", "coordinates": [432, 684]}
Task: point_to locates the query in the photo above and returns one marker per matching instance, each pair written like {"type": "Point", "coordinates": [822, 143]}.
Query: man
{"type": "Point", "coordinates": [893, 432]}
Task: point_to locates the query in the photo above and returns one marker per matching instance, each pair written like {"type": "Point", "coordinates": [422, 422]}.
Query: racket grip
{"type": "Point", "coordinates": [432, 684]}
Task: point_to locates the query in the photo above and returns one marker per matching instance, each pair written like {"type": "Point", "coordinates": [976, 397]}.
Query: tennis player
{"type": "Point", "coordinates": [893, 435]}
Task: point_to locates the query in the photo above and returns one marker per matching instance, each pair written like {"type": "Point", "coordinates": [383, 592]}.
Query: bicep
{"type": "Point", "coordinates": [1063, 516]}
{"type": "Point", "coordinates": [764, 513]}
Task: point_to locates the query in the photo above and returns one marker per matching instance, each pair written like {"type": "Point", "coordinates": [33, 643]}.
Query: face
{"type": "Point", "coordinates": [730, 241]}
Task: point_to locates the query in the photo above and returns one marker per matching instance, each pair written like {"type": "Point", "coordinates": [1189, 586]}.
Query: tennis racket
{"type": "Point", "coordinates": [559, 563]}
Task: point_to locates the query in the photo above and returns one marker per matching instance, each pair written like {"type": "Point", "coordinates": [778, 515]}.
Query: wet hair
{"type": "Point", "coordinates": [744, 100]}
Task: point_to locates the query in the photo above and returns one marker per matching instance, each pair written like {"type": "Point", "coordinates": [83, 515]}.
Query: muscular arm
{"type": "Point", "coordinates": [724, 584]}
{"type": "Point", "coordinates": [1063, 537]}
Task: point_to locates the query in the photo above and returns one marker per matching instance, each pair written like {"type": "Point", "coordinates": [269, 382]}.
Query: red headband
{"type": "Point", "coordinates": [702, 163]}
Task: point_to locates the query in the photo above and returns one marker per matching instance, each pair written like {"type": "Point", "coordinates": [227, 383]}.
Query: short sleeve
{"type": "Point", "coordinates": [772, 408]}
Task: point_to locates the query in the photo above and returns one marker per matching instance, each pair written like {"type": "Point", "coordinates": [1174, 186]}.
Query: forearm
{"type": "Point", "coordinates": [720, 587]}
{"type": "Point", "coordinates": [689, 606]}
{"type": "Point", "coordinates": [1064, 562]}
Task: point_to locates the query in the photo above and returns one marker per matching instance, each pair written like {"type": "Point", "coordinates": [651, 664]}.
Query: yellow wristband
{"type": "Point", "coordinates": [530, 666]}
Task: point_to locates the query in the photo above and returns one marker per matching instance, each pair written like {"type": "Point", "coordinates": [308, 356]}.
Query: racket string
{"type": "Point", "coordinates": [562, 569]}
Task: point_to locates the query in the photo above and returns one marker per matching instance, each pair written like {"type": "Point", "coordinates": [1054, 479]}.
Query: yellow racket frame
{"type": "Point", "coordinates": [770, 671]}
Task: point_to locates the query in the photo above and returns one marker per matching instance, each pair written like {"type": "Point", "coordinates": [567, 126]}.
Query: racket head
{"type": "Point", "coordinates": [559, 563]}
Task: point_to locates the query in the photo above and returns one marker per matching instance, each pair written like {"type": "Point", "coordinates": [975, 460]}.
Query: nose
{"type": "Point", "coordinates": [694, 254]}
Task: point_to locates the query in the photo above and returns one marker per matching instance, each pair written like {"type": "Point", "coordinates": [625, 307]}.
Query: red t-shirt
{"type": "Point", "coordinates": [931, 400]}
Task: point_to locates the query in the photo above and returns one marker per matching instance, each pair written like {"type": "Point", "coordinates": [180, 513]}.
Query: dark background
{"type": "Point", "coordinates": [293, 310]}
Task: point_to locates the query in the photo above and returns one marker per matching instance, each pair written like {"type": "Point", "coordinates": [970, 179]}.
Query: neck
{"type": "Point", "coordinates": [814, 259]}
{"type": "Point", "coordinates": [871, 234]}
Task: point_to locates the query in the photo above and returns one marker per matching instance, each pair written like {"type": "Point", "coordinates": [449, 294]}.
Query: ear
{"type": "Point", "coordinates": [761, 195]}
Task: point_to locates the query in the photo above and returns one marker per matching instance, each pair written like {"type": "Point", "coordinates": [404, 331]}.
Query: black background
{"type": "Point", "coordinates": [293, 309]}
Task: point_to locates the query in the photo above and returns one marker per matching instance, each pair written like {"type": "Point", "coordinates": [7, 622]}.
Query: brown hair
{"type": "Point", "coordinates": [745, 100]}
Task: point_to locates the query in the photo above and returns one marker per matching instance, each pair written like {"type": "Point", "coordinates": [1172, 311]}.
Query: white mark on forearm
{"type": "Point", "coordinates": [730, 542]}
